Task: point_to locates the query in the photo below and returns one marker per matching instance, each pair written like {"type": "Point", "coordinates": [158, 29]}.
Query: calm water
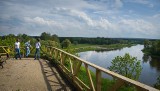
{"type": "Point", "coordinates": [151, 66]}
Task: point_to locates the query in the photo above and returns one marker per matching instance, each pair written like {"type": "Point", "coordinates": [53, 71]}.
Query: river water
{"type": "Point", "coordinates": [151, 66]}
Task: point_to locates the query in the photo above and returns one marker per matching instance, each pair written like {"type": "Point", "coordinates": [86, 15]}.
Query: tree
{"type": "Point", "coordinates": [66, 43]}
{"type": "Point", "coordinates": [127, 66]}
{"type": "Point", "coordinates": [146, 44]}
{"type": "Point", "coordinates": [152, 47]}
{"type": "Point", "coordinates": [157, 85]}
{"type": "Point", "coordinates": [55, 38]}
{"type": "Point", "coordinates": [45, 36]}
{"type": "Point", "coordinates": [75, 42]}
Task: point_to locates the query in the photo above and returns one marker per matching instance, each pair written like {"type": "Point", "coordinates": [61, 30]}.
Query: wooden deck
{"type": "Point", "coordinates": [28, 74]}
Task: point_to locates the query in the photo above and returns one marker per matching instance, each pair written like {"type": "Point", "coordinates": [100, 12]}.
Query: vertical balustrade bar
{"type": "Point", "coordinates": [98, 80]}
{"type": "Point", "coordinates": [71, 65]}
{"type": "Point", "coordinates": [90, 78]}
{"type": "Point", "coordinates": [77, 67]}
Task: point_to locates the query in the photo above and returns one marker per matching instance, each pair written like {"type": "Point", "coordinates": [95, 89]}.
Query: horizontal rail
{"type": "Point", "coordinates": [61, 55]}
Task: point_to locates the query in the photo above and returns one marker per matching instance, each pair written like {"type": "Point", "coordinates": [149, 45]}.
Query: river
{"type": "Point", "coordinates": [151, 66]}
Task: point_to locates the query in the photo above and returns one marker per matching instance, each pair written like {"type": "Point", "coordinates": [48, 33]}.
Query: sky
{"type": "Point", "coordinates": [81, 18]}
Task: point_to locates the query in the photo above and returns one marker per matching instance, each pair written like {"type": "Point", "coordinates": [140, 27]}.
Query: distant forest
{"type": "Point", "coordinates": [103, 41]}
{"type": "Point", "coordinates": [10, 39]}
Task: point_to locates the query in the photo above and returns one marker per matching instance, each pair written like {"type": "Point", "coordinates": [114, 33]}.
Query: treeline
{"type": "Point", "coordinates": [102, 40]}
{"type": "Point", "coordinates": [46, 39]}
{"type": "Point", "coordinates": [54, 40]}
{"type": "Point", "coordinates": [152, 47]}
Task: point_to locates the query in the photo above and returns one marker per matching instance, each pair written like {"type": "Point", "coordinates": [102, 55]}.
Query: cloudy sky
{"type": "Point", "coordinates": [81, 18]}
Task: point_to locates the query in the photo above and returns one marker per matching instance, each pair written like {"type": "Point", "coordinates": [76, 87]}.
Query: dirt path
{"type": "Point", "coordinates": [30, 75]}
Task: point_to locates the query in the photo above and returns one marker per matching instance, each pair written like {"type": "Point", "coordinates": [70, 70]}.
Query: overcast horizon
{"type": "Point", "coordinates": [81, 18]}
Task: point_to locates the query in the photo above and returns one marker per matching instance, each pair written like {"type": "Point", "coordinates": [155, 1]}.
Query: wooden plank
{"type": "Point", "coordinates": [4, 49]}
{"type": "Point", "coordinates": [66, 70]}
{"type": "Point", "coordinates": [60, 57]}
{"type": "Point", "coordinates": [90, 78]}
{"type": "Point", "coordinates": [98, 80]}
{"type": "Point", "coordinates": [141, 89]}
{"type": "Point", "coordinates": [63, 58]}
{"type": "Point", "coordinates": [82, 84]}
{"type": "Point", "coordinates": [71, 65]}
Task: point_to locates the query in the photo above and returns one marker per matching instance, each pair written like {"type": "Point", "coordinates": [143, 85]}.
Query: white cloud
{"type": "Point", "coordinates": [138, 26]}
{"type": "Point", "coordinates": [157, 16]}
{"type": "Point", "coordinates": [77, 18]}
{"type": "Point", "coordinates": [151, 5]}
{"type": "Point", "coordinates": [118, 3]}
{"type": "Point", "coordinates": [140, 1]}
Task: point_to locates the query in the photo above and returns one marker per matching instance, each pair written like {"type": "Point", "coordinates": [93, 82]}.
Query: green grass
{"type": "Point", "coordinates": [88, 47]}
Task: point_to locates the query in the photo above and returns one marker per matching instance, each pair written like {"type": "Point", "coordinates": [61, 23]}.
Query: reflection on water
{"type": "Point", "coordinates": [151, 65]}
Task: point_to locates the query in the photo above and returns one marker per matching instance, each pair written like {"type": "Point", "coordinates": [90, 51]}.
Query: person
{"type": "Point", "coordinates": [37, 53]}
{"type": "Point", "coordinates": [27, 44]}
{"type": "Point", "coordinates": [17, 49]}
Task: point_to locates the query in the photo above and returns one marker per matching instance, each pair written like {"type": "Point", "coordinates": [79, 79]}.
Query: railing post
{"type": "Point", "coordinates": [71, 65]}
{"type": "Point", "coordinates": [98, 80]}
{"type": "Point", "coordinates": [76, 70]}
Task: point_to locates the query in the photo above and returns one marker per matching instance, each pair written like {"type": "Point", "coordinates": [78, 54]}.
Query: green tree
{"type": "Point", "coordinates": [127, 66]}
{"type": "Point", "coordinates": [45, 36]}
{"type": "Point", "coordinates": [157, 85]}
{"type": "Point", "coordinates": [75, 42]}
{"type": "Point", "coordinates": [55, 38]}
{"type": "Point", "coordinates": [147, 44]}
{"type": "Point", "coordinates": [66, 43]}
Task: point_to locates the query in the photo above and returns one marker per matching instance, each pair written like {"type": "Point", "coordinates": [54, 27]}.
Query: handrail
{"type": "Point", "coordinates": [6, 51]}
{"type": "Point", "coordinates": [61, 56]}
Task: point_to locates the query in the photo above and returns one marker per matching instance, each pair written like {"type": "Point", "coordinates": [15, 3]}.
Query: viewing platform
{"type": "Point", "coordinates": [28, 74]}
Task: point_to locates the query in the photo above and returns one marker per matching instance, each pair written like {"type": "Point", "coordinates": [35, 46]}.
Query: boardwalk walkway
{"type": "Point", "coordinates": [31, 75]}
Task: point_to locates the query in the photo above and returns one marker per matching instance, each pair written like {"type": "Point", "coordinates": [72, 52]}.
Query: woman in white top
{"type": "Point", "coordinates": [37, 53]}
{"type": "Point", "coordinates": [17, 49]}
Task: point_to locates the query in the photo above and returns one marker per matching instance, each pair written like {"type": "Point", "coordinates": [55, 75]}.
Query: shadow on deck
{"type": "Point", "coordinates": [54, 80]}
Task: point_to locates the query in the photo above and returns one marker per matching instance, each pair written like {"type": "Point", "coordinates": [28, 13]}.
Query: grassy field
{"type": "Point", "coordinates": [89, 47]}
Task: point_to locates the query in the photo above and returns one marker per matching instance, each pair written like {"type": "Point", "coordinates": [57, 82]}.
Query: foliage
{"type": "Point", "coordinates": [48, 36]}
{"type": "Point", "coordinates": [152, 47]}
{"type": "Point", "coordinates": [157, 85]}
{"type": "Point", "coordinates": [45, 36]}
{"type": "Point", "coordinates": [66, 43]}
{"type": "Point", "coordinates": [75, 42]}
{"type": "Point", "coordinates": [50, 43]}
{"type": "Point", "coordinates": [102, 40]}
{"type": "Point", "coordinates": [127, 66]}
{"type": "Point", "coordinates": [55, 38]}
{"type": "Point", "coordinates": [9, 40]}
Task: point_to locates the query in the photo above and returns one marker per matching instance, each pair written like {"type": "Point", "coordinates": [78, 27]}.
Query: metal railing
{"type": "Point", "coordinates": [75, 64]}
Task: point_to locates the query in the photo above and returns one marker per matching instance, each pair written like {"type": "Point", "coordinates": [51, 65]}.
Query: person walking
{"type": "Point", "coordinates": [37, 53]}
{"type": "Point", "coordinates": [17, 49]}
{"type": "Point", "coordinates": [27, 44]}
